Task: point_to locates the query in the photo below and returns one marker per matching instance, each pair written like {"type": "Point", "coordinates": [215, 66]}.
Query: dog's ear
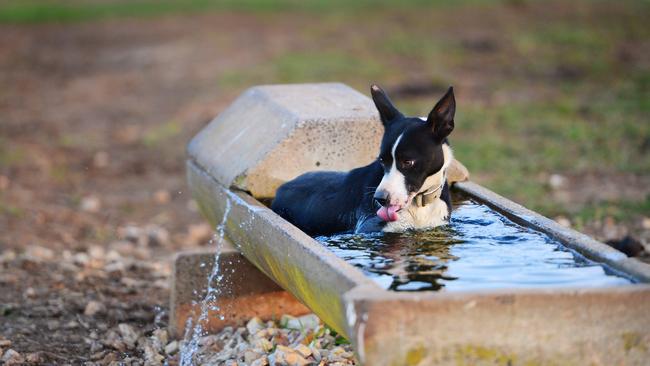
{"type": "Point", "coordinates": [441, 117]}
{"type": "Point", "coordinates": [387, 111]}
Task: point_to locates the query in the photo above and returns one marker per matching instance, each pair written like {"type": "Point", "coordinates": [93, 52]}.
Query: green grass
{"type": "Point", "coordinates": [620, 211]}
{"type": "Point", "coordinates": [305, 67]}
{"type": "Point", "coordinates": [44, 11]}
{"type": "Point", "coordinates": [160, 134]}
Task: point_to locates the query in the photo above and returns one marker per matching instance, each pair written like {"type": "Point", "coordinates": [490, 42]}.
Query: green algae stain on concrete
{"type": "Point", "coordinates": [473, 354]}
{"type": "Point", "coordinates": [415, 355]}
{"type": "Point", "coordinates": [633, 340]}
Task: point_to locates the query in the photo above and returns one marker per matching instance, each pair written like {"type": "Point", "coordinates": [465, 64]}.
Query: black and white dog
{"type": "Point", "coordinates": [405, 188]}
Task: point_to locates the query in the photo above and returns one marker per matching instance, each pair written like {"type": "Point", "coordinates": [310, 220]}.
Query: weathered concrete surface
{"type": "Point", "coordinates": [581, 243]}
{"type": "Point", "coordinates": [245, 292]}
{"type": "Point", "coordinates": [272, 134]}
{"type": "Point", "coordinates": [294, 260]}
{"type": "Point", "coordinates": [609, 326]}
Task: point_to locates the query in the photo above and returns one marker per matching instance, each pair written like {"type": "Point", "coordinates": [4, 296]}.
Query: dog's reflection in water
{"type": "Point", "coordinates": [410, 261]}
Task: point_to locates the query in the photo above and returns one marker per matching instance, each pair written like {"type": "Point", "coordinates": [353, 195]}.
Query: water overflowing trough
{"type": "Point", "coordinates": [511, 287]}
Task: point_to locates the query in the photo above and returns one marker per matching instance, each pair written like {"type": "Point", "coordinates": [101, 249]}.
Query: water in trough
{"type": "Point", "coordinates": [480, 249]}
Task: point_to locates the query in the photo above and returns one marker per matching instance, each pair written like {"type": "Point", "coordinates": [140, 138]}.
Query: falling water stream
{"type": "Point", "coordinates": [194, 328]}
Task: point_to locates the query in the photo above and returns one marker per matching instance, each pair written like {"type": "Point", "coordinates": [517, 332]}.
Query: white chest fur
{"type": "Point", "coordinates": [434, 214]}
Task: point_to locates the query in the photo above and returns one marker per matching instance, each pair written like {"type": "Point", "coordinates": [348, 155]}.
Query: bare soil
{"type": "Point", "coordinates": [94, 118]}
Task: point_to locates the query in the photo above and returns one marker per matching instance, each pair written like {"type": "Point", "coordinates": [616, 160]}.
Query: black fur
{"type": "Point", "coordinates": [324, 203]}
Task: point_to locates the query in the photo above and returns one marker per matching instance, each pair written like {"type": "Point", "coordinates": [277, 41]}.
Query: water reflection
{"type": "Point", "coordinates": [480, 249]}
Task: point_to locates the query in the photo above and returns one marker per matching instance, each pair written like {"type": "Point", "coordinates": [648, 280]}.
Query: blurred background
{"type": "Point", "coordinates": [98, 99]}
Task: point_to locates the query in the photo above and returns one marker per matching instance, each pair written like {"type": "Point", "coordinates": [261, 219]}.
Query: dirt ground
{"type": "Point", "coordinates": [94, 118]}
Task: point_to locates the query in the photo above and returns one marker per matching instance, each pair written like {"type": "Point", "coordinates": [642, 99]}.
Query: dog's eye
{"type": "Point", "coordinates": [408, 163]}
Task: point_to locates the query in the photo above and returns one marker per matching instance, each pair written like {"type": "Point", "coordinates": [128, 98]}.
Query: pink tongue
{"type": "Point", "coordinates": [388, 213]}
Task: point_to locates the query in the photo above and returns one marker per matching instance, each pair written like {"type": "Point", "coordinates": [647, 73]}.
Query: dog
{"type": "Point", "coordinates": [404, 188]}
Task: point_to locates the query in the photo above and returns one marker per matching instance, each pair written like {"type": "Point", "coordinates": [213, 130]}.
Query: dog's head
{"type": "Point", "coordinates": [414, 152]}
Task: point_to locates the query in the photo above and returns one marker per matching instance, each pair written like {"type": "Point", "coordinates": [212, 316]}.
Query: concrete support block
{"type": "Point", "coordinates": [245, 292]}
{"type": "Point", "coordinates": [272, 134]}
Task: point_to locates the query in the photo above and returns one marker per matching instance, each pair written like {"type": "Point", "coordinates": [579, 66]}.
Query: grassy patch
{"type": "Point", "coordinates": [619, 211]}
{"type": "Point", "coordinates": [10, 154]}
{"type": "Point", "coordinates": [43, 11]}
{"type": "Point", "coordinates": [307, 66]}
{"type": "Point", "coordinates": [161, 133]}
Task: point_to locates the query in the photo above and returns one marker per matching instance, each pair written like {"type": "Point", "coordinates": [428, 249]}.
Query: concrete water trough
{"type": "Point", "coordinates": [271, 134]}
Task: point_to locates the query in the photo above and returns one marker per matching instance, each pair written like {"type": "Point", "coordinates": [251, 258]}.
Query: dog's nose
{"type": "Point", "coordinates": [381, 198]}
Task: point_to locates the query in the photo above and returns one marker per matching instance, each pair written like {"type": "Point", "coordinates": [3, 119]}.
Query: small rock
{"type": "Point", "coordinates": [262, 361]}
{"type": "Point", "coordinates": [303, 350]}
{"type": "Point", "coordinates": [645, 223]}
{"type": "Point", "coordinates": [90, 204]}
{"type": "Point", "coordinates": [171, 348]}
{"type": "Point", "coordinates": [53, 324]}
{"type": "Point", "coordinates": [34, 357]}
{"type": "Point", "coordinates": [309, 321]}
{"type": "Point", "coordinates": [157, 235]}
{"type": "Point", "coordinates": [556, 181]}
{"type": "Point", "coordinates": [129, 335]}
{"type": "Point", "coordinates": [4, 182]}
{"type": "Point", "coordinates": [199, 233]}
{"type": "Point", "coordinates": [315, 353]}
{"type": "Point", "coordinates": [151, 355]}
{"type": "Point", "coordinates": [29, 292]}
{"type": "Point", "coordinates": [93, 308]}
{"type": "Point", "coordinates": [263, 344]}
{"type": "Point", "coordinates": [250, 356]}
{"type": "Point", "coordinates": [11, 357]}
{"type": "Point", "coordinates": [160, 338]}
{"type": "Point", "coordinates": [285, 355]}
{"type": "Point", "coordinates": [162, 196]}
{"type": "Point", "coordinates": [96, 252]}
{"type": "Point", "coordinates": [39, 253]}
{"type": "Point", "coordinates": [97, 355]}
{"type": "Point", "coordinates": [100, 159]}
{"type": "Point", "coordinates": [4, 342]}
{"type": "Point", "coordinates": [254, 325]}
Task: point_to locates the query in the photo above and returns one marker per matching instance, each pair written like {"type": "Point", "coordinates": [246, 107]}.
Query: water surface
{"type": "Point", "coordinates": [480, 249]}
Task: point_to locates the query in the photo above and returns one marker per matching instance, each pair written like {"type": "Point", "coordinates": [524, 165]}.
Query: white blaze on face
{"type": "Point", "coordinates": [394, 182]}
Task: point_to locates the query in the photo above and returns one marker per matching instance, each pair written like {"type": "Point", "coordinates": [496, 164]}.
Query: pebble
{"type": "Point", "coordinates": [162, 196]}
{"type": "Point", "coordinates": [254, 325]}
{"type": "Point", "coordinates": [93, 308]}
{"type": "Point", "coordinates": [11, 357]}
{"type": "Point", "coordinates": [270, 343]}
{"type": "Point", "coordinates": [129, 335]}
{"type": "Point", "coordinates": [199, 233]}
{"type": "Point", "coordinates": [39, 253]}
{"type": "Point", "coordinates": [171, 348]}
{"type": "Point", "coordinates": [556, 181]}
{"type": "Point", "coordinates": [309, 321]}
{"type": "Point", "coordinates": [5, 342]}
{"type": "Point", "coordinates": [34, 357]}
{"type": "Point", "coordinates": [90, 204]}
{"type": "Point", "coordinates": [101, 159]}
{"type": "Point", "coordinates": [645, 223]}
{"type": "Point", "coordinates": [4, 182]}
